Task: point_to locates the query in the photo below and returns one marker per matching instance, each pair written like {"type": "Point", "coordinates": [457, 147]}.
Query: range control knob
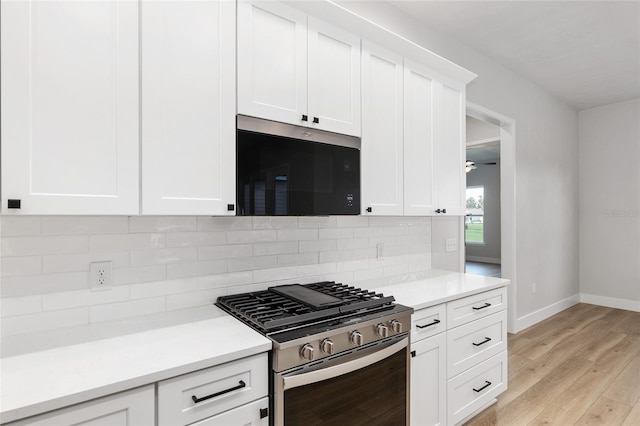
{"type": "Point", "coordinates": [382, 330]}
{"type": "Point", "coordinates": [356, 338]}
{"type": "Point", "coordinates": [396, 326]}
{"type": "Point", "coordinates": [306, 352]}
{"type": "Point", "coordinates": [327, 347]}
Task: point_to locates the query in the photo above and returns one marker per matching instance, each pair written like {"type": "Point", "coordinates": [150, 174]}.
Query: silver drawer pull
{"type": "Point", "coordinates": [488, 383]}
{"type": "Point", "coordinates": [241, 384]}
{"type": "Point", "coordinates": [486, 305]}
{"type": "Point", "coordinates": [436, 321]}
{"type": "Point", "coordinates": [486, 339]}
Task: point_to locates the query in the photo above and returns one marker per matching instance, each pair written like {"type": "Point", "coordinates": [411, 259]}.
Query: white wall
{"type": "Point", "coordinates": [546, 164]}
{"type": "Point", "coordinates": [489, 177]}
{"type": "Point", "coordinates": [610, 205]}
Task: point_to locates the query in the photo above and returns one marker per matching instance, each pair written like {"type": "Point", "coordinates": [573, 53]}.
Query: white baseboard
{"type": "Point", "coordinates": [494, 260]}
{"type": "Point", "coordinates": [544, 313]}
{"type": "Point", "coordinates": [611, 302]}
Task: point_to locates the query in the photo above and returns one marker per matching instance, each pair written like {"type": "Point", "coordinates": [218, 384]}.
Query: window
{"type": "Point", "coordinates": [474, 220]}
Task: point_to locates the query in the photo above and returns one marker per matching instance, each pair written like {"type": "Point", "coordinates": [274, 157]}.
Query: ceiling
{"type": "Point", "coordinates": [586, 53]}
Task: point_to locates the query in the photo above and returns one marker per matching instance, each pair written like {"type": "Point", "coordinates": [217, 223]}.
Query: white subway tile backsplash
{"type": "Point", "coordinates": [335, 233]}
{"type": "Point", "coordinates": [126, 242]}
{"type": "Point", "coordinates": [163, 288]}
{"type": "Point", "coordinates": [317, 221]}
{"type": "Point", "coordinates": [169, 263]}
{"type": "Point", "coordinates": [274, 222]}
{"type": "Point", "coordinates": [26, 246]}
{"type": "Point", "coordinates": [43, 321]}
{"type": "Point", "coordinates": [209, 238]}
{"type": "Point", "coordinates": [12, 306]}
{"type": "Point", "coordinates": [257, 236]}
{"type": "Point", "coordinates": [225, 252]}
{"type": "Point", "coordinates": [80, 261]}
{"type": "Point", "coordinates": [78, 225]}
{"type": "Point", "coordinates": [286, 247]}
{"type": "Point", "coordinates": [297, 234]}
{"type": "Point", "coordinates": [31, 285]}
{"type": "Point", "coordinates": [163, 256]}
{"type": "Point", "coordinates": [195, 269]}
{"type": "Point", "coordinates": [162, 223]}
{"type": "Point", "coordinates": [225, 280]}
{"type": "Point", "coordinates": [121, 310]}
{"type": "Point", "coordinates": [79, 298]}
{"type": "Point", "coordinates": [252, 263]}
{"type": "Point", "coordinates": [319, 245]}
{"type": "Point", "coordinates": [139, 274]}
{"type": "Point", "coordinates": [297, 259]}
{"type": "Point", "coordinates": [17, 226]}
{"type": "Point", "coordinates": [21, 265]}
{"type": "Point", "coordinates": [206, 223]}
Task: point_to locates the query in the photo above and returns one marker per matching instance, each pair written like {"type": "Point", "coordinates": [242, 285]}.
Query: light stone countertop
{"type": "Point", "coordinates": [38, 382]}
{"type": "Point", "coordinates": [440, 287]}
{"type": "Point", "coordinates": [44, 380]}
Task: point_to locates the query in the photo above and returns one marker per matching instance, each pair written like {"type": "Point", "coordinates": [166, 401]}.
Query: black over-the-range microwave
{"type": "Point", "coordinates": [287, 170]}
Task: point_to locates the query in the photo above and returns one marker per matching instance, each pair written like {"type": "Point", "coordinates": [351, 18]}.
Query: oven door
{"type": "Point", "coordinates": [369, 385]}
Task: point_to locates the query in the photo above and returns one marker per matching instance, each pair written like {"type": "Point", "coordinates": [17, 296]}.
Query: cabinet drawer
{"type": "Point", "coordinates": [475, 342]}
{"type": "Point", "coordinates": [247, 415]}
{"type": "Point", "coordinates": [428, 322]}
{"type": "Point", "coordinates": [471, 390]}
{"type": "Point", "coordinates": [236, 383]}
{"type": "Point", "coordinates": [479, 305]}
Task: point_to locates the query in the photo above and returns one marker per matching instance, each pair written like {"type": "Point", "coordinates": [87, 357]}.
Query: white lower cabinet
{"type": "Point", "coordinates": [463, 368]}
{"type": "Point", "coordinates": [131, 408]}
{"type": "Point", "coordinates": [215, 395]}
{"type": "Point", "coordinates": [428, 403]}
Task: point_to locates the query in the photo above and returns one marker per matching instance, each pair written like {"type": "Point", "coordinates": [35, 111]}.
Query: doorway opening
{"type": "Point", "coordinates": [499, 143]}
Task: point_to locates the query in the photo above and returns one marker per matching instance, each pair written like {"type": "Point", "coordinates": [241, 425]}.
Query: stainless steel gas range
{"type": "Point", "coordinates": [340, 354]}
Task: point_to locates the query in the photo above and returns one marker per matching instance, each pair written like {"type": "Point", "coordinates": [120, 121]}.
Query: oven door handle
{"type": "Point", "coordinates": [291, 382]}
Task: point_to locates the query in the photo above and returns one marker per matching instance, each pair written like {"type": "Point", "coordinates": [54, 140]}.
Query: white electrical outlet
{"type": "Point", "coordinates": [451, 244]}
{"type": "Point", "coordinates": [379, 250]}
{"type": "Point", "coordinates": [100, 276]}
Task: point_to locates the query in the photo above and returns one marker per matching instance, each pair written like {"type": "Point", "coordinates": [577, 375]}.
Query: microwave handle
{"type": "Point", "coordinates": [291, 382]}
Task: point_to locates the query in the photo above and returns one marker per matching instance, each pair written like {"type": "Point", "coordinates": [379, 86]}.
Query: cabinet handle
{"type": "Point", "coordinates": [486, 305]}
{"type": "Point", "coordinates": [231, 207]}
{"type": "Point", "coordinates": [305, 118]}
{"type": "Point", "coordinates": [13, 204]}
{"type": "Point", "coordinates": [441, 210]}
{"type": "Point", "coordinates": [486, 339]}
{"type": "Point", "coordinates": [413, 354]}
{"type": "Point", "coordinates": [435, 321]}
{"type": "Point", "coordinates": [264, 412]}
{"type": "Point", "coordinates": [316, 120]}
{"type": "Point", "coordinates": [444, 210]}
{"type": "Point", "coordinates": [488, 383]}
{"type": "Point", "coordinates": [369, 209]}
{"type": "Point", "coordinates": [241, 384]}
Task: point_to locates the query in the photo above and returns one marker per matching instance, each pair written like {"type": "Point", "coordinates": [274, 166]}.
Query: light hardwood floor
{"type": "Point", "coordinates": [579, 367]}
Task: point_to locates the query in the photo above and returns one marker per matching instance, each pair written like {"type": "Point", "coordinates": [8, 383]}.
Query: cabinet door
{"type": "Point", "coordinates": [131, 408]}
{"type": "Point", "coordinates": [450, 149]}
{"type": "Point", "coordinates": [334, 78]}
{"type": "Point", "coordinates": [382, 132]}
{"type": "Point", "coordinates": [188, 107]}
{"type": "Point", "coordinates": [272, 61]}
{"type": "Point", "coordinates": [70, 106]}
{"type": "Point", "coordinates": [252, 414]}
{"type": "Point", "coordinates": [429, 381]}
{"type": "Point", "coordinates": [419, 171]}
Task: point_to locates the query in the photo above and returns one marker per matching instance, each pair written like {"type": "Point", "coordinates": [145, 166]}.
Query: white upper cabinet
{"type": "Point", "coordinates": [381, 156]}
{"type": "Point", "coordinates": [70, 107]}
{"type": "Point", "coordinates": [420, 190]}
{"type": "Point", "coordinates": [297, 70]}
{"type": "Point", "coordinates": [188, 107]}
{"type": "Point", "coordinates": [450, 149]}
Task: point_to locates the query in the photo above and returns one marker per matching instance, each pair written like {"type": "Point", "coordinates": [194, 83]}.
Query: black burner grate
{"type": "Point", "coordinates": [269, 311]}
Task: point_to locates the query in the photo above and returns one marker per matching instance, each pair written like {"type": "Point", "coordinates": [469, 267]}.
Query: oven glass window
{"type": "Point", "coordinates": [374, 395]}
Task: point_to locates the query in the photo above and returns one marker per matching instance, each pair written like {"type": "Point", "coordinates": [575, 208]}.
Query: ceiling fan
{"type": "Point", "coordinates": [470, 165]}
